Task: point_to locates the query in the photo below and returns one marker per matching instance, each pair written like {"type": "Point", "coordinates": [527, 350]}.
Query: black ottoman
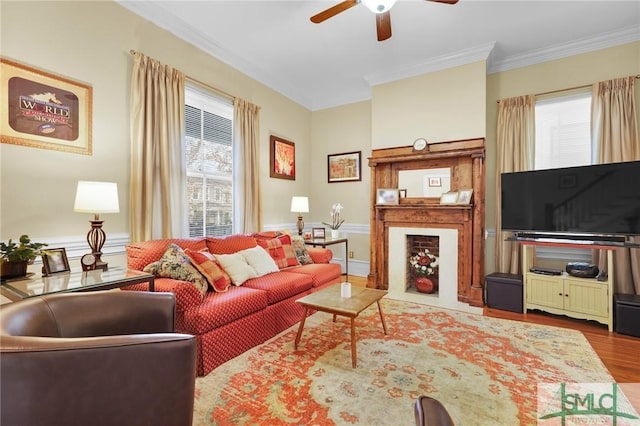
{"type": "Point", "coordinates": [504, 291]}
{"type": "Point", "coordinates": [626, 315]}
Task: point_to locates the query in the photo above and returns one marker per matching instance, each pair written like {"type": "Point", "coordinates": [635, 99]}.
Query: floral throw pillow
{"type": "Point", "coordinates": [300, 248]}
{"type": "Point", "coordinates": [175, 264]}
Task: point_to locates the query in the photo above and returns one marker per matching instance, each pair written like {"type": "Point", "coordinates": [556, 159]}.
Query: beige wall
{"type": "Point", "coordinates": [440, 106]}
{"type": "Point", "coordinates": [91, 43]}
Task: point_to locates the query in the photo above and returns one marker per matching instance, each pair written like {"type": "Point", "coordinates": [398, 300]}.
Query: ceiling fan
{"type": "Point", "coordinates": [380, 7]}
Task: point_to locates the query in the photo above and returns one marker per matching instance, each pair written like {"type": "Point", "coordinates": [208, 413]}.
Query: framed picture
{"type": "Point", "coordinates": [317, 233]}
{"type": "Point", "coordinates": [449, 198]}
{"type": "Point", "coordinates": [54, 261]}
{"type": "Point", "coordinates": [403, 193]}
{"type": "Point", "coordinates": [345, 167]}
{"type": "Point", "coordinates": [464, 196]}
{"type": "Point", "coordinates": [282, 158]}
{"type": "Point", "coordinates": [435, 181]}
{"type": "Point", "coordinates": [387, 196]}
{"type": "Point", "coordinates": [43, 110]}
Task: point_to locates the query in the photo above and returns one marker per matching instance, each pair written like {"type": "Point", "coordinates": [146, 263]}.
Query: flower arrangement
{"type": "Point", "coordinates": [336, 219]}
{"type": "Point", "coordinates": [424, 263]}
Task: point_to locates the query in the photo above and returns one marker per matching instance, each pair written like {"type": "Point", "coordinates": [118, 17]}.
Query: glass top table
{"type": "Point", "coordinates": [36, 285]}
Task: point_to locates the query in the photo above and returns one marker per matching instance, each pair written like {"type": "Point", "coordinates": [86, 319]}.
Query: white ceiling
{"type": "Point", "coordinates": [336, 62]}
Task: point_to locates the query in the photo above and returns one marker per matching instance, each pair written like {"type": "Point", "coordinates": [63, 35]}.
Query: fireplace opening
{"type": "Point", "coordinates": [423, 264]}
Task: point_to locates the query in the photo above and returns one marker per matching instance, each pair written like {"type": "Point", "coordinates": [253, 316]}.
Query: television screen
{"type": "Point", "coordinates": [601, 199]}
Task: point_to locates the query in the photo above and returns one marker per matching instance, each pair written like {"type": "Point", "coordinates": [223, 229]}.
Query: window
{"type": "Point", "coordinates": [208, 151]}
{"type": "Point", "coordinates": [563, 131]}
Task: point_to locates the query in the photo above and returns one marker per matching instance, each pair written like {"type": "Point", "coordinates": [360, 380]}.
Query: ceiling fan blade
{"type": "Point", "coordinates": [445, 1]}
{"type": "Point", "coordinates": [383, 25]}
{"type": "Point", "coordinates": [333, 11]}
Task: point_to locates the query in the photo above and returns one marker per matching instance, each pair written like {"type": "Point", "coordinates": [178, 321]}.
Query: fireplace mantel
{"type": "Point", "coordinates": [465, 159]}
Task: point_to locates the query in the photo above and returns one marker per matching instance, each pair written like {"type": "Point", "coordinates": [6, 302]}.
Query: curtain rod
{"type": "Point", "coordinates": [563, 90]}
{"type": "Point", "coordinates": [208, 86]}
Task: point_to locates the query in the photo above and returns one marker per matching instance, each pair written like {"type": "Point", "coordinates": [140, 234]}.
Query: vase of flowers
{"type": "Point", "coordinates": [424, 267]}
{"type": "Point", "coordinates": [336, 220]}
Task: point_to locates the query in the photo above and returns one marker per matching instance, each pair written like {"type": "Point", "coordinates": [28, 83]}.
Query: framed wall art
{"type": "Point", "coordinates": [54, 261]}
{"type": "Point", "coordinates": [387, 196]}
{"type": "Point", "coordinates": [43, 110]}
{"type": "Point", "coordinates": [282, 158]}
{"type": "Point", "coordinates": [345, 167]}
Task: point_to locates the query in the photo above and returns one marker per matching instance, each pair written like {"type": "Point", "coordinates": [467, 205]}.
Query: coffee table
{"type": "Point", "coordinates": [330, 300]}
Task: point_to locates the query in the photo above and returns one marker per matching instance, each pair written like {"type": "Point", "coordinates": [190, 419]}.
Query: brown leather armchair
{"type": "Point", "coordinates": [431, 412]}
{"type": "Point", "coordinates": [96, 358]}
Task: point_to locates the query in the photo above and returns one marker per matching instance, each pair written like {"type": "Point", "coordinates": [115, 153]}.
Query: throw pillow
{"type": "Point", "coordinates": [280, 250]}
{"type": "Point", "coordinates": [238, 269]}
{"type": "Point", "coordinates": [300, 248]}
{"type": "Point", "coordinates": [206, 264]}
{"type": "Point", "coordinates": [175, 264]}
{"type": "Point", "coordinates": [259, 260]}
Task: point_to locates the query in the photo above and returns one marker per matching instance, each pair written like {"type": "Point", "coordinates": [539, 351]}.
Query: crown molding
{"type": "Point", "coordinates": [439, 63]}
{"type": "Point", "coordinates": [559, 51]}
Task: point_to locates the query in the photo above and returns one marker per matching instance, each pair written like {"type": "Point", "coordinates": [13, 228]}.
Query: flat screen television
{"type": "Point", "coordinates": [573, 202]}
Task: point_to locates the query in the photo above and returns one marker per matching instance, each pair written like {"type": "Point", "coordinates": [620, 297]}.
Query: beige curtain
{"type": "Point", "coordinates": [615, 136]}
{"type": "Point", "coordinates": [516, 142]}
{"type": "Point", "coordinates": [156, 198]}
{"type": "Point", "coordinates": [248, 205]}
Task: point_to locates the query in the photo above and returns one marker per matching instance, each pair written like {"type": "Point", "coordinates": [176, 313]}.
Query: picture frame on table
{"type": "Point", "coordinates": [449, 198]}
{"type": "Point", "coordinates": [387, 196]}
{"type": "Point", "coordinates": [44, 110]}
{"type": "Point", "coordinates": [318, 233]}
{"type": "Point", "coordinates": [54, 261]}
{"type": "Point", "coordinates": [344, 167]}
{"type": "Point", "coordinates": [282, 158]}
{"type": "Point", "coordinates": [464, 196]}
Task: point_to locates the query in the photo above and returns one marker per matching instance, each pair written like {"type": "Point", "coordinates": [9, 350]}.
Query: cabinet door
{"type": "Point", "coordinates": [545, 291]}
{"type": "Point", "coordinates": [587, 297]}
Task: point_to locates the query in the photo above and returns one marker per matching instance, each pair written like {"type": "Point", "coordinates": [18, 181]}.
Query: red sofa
{"type": "Point", "coordinates": [227, 324]}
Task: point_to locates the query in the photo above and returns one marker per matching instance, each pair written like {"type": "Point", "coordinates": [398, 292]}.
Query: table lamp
{"type": "Point", "coordinates": [299, 205]}
{"type": "Point", "coordinates": [96, 198]}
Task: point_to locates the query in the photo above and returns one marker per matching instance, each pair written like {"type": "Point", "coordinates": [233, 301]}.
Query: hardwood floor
{"type": "Point", "coordinates": [619, 353]}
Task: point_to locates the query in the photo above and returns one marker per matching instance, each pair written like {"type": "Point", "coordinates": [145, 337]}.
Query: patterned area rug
{"type": "Point", "coordinates": [484, 370]}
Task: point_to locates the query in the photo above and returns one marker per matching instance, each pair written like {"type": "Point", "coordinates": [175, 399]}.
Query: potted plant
{"type": "Point", "coordinates": [336, 219]}
{"type": "Point", "coordinates": [15, 257]}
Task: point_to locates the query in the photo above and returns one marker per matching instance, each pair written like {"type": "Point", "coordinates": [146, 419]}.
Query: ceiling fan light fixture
{"type": "Point", "coordinates": [379, 6]}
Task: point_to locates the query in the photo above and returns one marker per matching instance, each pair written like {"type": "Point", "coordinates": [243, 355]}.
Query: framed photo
{"type": "Point", "coordinates": [387, 196]}
{"type": "Point", "coordinates": [54, 261]}
{"type": "Point", "coordinates": [435, 181]}
{"type": "Point", "coordinates": [43, 110]}
{"type": "Point", "coordinates": [345, 167]}
{"type": "Point", "coordinates": [449, 198]}
{"type": "Point", "coordinates": [464, 196]}
{"type": "Point", "coordinates": [282, 158]}
{"type": "Point", "coordinates": [403, 193]}
{"type": "Point", "coordinates": [317, 233]}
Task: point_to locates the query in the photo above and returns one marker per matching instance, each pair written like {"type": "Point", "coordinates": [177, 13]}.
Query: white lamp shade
{"type": "Point", "coordinates": [299, 204]}
{"type": "Point", "coordinates": [96, 197]}
{"type": "Point", "coordinates": [379, 6]}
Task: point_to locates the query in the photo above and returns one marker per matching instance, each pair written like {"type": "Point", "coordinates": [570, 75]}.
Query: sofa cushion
{"type": "Point", "coordinates": [280, 249]}
{"type": "Point", "coordinates": [175, 264]}
{"type": "Point", "coordinates": [300, 248]}
{"type": "Point", "coordinates": [230, 244]}
{"type": "Point", "coordinates": [259, 260]}
{"type": "Point", "coordinates": [321, 273]}
{"type": "Point", "coordinates": [281, 285]}
{"type": "Point", "coordinates": [218, 309]}
{"type": "Point", "coordinates": [237, 267]}
{"type": "Point", "coordinates": [207, 265]}
{"type": "Point", "coordinates": [142, 253]}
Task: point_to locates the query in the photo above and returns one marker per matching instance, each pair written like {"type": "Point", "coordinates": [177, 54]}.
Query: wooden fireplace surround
{"type": "Point", "coordinates": [465, 159]}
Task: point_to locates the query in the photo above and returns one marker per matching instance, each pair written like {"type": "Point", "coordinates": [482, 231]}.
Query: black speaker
{"type": "Point", "coordinates": [582, 269]}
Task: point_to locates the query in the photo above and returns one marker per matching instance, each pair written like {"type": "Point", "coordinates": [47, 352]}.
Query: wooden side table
{"type": "Point", "coordinates": [324, 242]}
